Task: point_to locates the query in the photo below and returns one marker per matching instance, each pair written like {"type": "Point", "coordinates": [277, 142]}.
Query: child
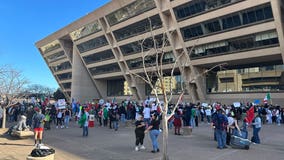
{"type": "Point", "coordinates": [139, 132]}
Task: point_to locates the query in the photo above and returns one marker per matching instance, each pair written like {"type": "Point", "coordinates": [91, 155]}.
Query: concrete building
{"type": "Point", "coordinates": [93, 57]}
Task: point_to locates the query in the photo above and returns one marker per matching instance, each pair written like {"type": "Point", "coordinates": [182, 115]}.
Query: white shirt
{"type": "Point", "coordinates": [230, 121]}
{"type": "Point", "coordinates": [146, 112]}
{"type": "Point", "coordinates": [208, 112]}
{"type": "Point", "coordinates": [154, 107]}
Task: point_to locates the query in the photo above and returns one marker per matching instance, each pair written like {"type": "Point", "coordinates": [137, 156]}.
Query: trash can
{"type": "Point", "coordinates": [91, 120]}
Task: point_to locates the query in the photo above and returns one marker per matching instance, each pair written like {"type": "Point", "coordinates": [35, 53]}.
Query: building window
{"type": "Point", "coordinates": [66, 85]}
{"type": "Point", "coordinates": [55, 57]}
{"type": "Point", "coordinates": [62, 66]}
{"type": "Point", "coordinates": [238, 44]}
{"type": "Point", "coordinates": [109, 68]}
{"type": "Point", "coordinates": [199, 6]}
{"type": "Point", "coordinates": [190, 32]}
{"type": "Point", "coordinates": [86, 30]}
{"type": "Point", "coordinates": [140, 27]}
{"type": "Point", "coordinates": [257, 14]}
{"type": "Point", "coordinates": [92, 44]}
{"type": "Point", "coordinates": [228, 22]}
{"type": "Point", "coordinates": [150, 61]}
{"type": "Point", "coordinates": [64, 76]}
{"type": "Point", "coordinates": [50, 47]}
{"type": "Point", "coordinates": [131, 10]}
{"type": "Point", "coordinates": [231, 21]}
{"type": "Point", "coordinates": [96, 57]}
{"type": "Point", "coordinates": [136, 47]}
{"type": "Point", "coordinates": [212, 26]}
{"type": "Point", "coordinates": [115, 87]}
{"type": "Point", "coordinates": [254, 79]}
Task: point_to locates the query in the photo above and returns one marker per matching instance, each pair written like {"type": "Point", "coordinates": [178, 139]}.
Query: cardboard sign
{"type": "Point", "coordinates": [61, 102]}
{"type": "Point", "coordinates": [237, 104]}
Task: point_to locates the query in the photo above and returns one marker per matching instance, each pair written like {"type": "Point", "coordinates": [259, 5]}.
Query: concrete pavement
{"type": "Point", "coordinates": [106, 144]}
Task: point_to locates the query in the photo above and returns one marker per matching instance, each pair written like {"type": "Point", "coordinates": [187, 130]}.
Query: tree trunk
{"type": "Point", "coordinates": [165, 137]}
{"type": "Point", "coordinates": [4, 118]}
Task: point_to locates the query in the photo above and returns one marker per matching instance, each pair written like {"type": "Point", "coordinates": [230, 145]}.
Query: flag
{"type": "Point", "coordinates": [266, 98]}
{"type": "Point", "coordinates": [250, 114]}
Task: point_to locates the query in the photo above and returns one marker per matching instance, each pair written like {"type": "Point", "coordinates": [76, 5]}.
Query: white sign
{"type": "Point", "coordinates": [61, 102]}
{"type": "Point", "coordinates": [204, 104]}
{"type": "Point", "coordinates": [237, 104]}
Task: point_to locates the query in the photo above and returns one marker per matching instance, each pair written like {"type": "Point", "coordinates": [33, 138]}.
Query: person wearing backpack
{"type": "Point", "coordinates": [220, 123]}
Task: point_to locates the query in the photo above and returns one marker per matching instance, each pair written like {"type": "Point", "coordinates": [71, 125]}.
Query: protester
{"type": "Point", "coordinates": [177, 122]}
{"type": "Point", "coordinates": [1, 115]}
{"type": "Point", "coordinates": [139, 133]}
{"type": "Point", "coordinates": [256, 124]}
{"type": "Point", "coordinates": [22, 123]}
{"type": "Point", "coordinates": [84, 122]}
{"type": "Point", "coordinates": [67, 115]}
{"type": "Point", "coordinates": [38, 124]}
{"type": "Point", "coordinates": [154, 132]}
{"type": "Point", "coordinates": [220, 123]}
{"type": "Point", "coordinates": [59, 117]}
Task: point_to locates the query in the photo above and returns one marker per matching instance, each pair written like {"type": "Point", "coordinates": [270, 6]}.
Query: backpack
{"type": "Point", "coordinates": [220, 122]}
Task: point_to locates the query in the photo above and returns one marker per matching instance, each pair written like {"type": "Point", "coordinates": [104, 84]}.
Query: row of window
{"type": "Point", "coordinates": [109, 68]}
{"type": "Point", "coordinates": [196, 7]}
{"type": "Point", "coordinates": [234, 20]}
{"type": "Point", "coordinates": [150, 61]}
{"type": "Point", "coordinates": [50, 47]}
{"type": "Point", "coordinates": [66, 85]}
{"type": "Point", "coordinates": [138, 28]}
{"type": "Point", "coordinates": [131, 10]}
{"type": "Point", "coordinates": [92, 44]}
{"type": "Point", "coordinates": [253, 41]}
{"type": "Point", "coordinates": [62, 66]}
{"type": "Point", "coordinates": [136, 47]}
{"type": "Point", "coordinates": [64, 76]}
{"type": "Point", "coordinates": [56, 56]}
{"type": "Point", "coordinates": [96, 57]}
{"type": "Point", "coordinates": [86, 30]}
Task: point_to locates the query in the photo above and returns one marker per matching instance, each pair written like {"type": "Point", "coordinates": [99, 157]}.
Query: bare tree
{"type": "Point", "coordinates": [12, 83]}
{"type": "Point", "coordinates": [156, 69]}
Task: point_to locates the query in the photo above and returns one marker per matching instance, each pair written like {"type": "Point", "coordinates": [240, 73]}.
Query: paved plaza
{"type": "Point", "coordinates": [106, 144]}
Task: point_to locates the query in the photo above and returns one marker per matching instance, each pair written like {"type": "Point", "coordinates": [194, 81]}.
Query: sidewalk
{"type": "Point", "coordinates": [106, 144]}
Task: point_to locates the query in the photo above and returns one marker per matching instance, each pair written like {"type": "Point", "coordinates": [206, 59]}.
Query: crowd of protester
{"type": "Point", "coordinates": [147, 115]}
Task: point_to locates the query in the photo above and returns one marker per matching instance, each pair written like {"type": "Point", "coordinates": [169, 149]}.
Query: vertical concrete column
{"type": "Point", "coordinates": [82, 88]}
{"type": "Point", "coordinates": [279, 22]}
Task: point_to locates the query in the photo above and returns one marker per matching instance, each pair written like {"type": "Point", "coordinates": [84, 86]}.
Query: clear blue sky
{"type": "Point", "coordinates": [24, 22]}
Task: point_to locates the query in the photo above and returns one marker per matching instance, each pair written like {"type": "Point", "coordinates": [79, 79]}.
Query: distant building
{"type": "Point", "coordinates": [93, 56]}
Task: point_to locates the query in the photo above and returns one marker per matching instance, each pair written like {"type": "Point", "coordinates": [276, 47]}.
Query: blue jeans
{"type": "Point", "coordinates": [255, 135]}
{"type": "Point", "coordinates": [85, 131]}
{"type": "Point", "coordinates": [115, 124]}
{"type": "Point", "coordinates": [66, 120]}
{"type": "Point", "coordinates": [122, 118]}
{"type": "Point", "coordinates": [154, 138]}
{"type": "Point", "coordinates": [192, 122]}
{"type": "Point", "coordinates": [221, 138]}
{"type": "Point", "coordinates": [147, 121]}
